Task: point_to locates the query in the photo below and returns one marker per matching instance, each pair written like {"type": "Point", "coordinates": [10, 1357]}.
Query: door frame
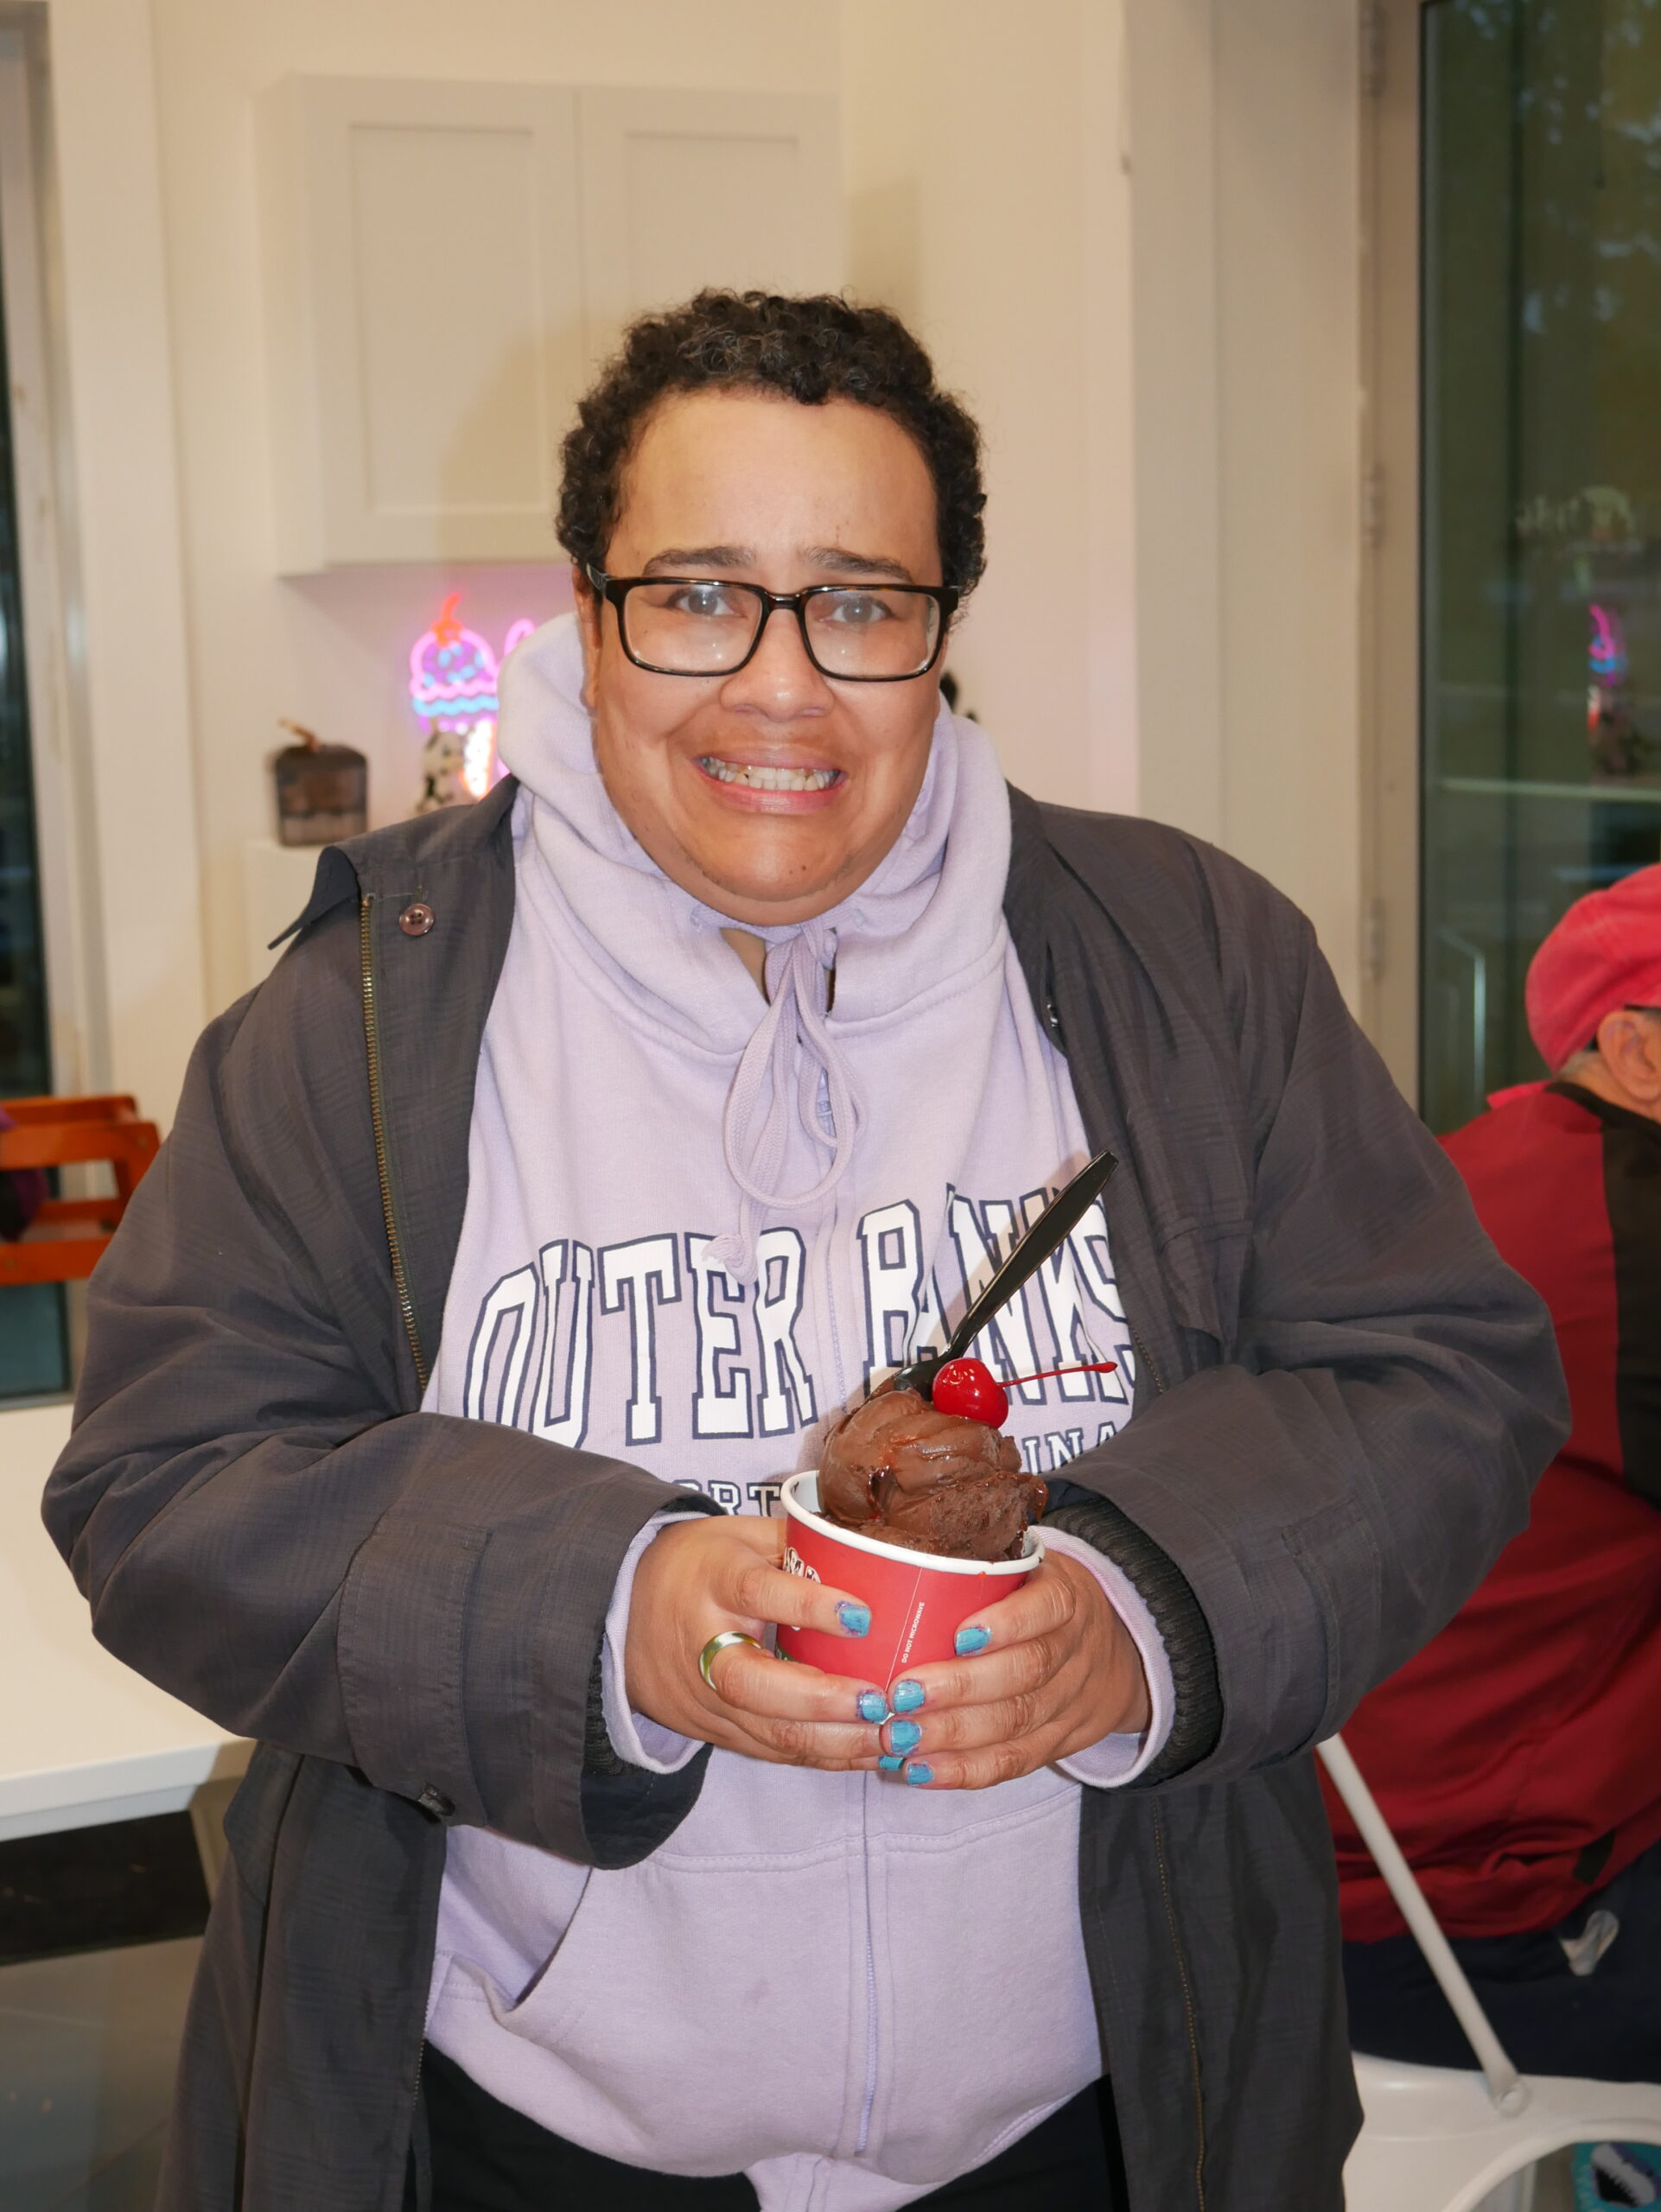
{"type": "Point", "coordinates": [1392, 581]}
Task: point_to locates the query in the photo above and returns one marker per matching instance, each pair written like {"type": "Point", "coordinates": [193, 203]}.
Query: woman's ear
{"type": "Point", "coordinates": [589, 609]}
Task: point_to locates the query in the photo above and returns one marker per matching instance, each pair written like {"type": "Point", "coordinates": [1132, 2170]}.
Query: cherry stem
{"type": "Point", "coordinates": [1096, 1367]}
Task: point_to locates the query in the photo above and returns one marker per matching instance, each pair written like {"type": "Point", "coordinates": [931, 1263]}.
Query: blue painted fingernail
{"type": "Point", "coordinates": [906, 1696]}
{"type": "Point", "coordinates": [890, 1764]}
{"type": "Point", "coordinates": [904, 1735]}
{"type": "Point", "coordinates": [968, 1640]}
{"type": "Point", "coordinates": [854, 1616]}
{"type": "Point", "coordinates": [873, 1706]}
{"type": "Point", "coordinates": [919, 1771]}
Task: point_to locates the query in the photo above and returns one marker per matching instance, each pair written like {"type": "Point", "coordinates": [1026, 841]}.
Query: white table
{"type": "Point", "coordinates": [82, 1738]}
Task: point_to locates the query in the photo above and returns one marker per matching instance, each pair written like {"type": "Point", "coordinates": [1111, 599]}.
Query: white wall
{"type": "Point", "coordinates": [1245, 154]}
{"type": "Point", "coordinates": [989, 206]}
{"type": "Point", "coordinates": [1129, 230]}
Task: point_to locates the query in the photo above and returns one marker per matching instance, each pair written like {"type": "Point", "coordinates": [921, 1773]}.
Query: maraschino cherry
{"type": "Point", "coordinates": [970, 1388]}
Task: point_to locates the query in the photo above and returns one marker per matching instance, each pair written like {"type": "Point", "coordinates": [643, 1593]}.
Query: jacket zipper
{"type": "Point", "coordinates": [1146, 1359]}
{"type": "Point", "coordinates": [378, 1119]}
{"type": "Point", "coordinates": [406, 1307]}
{"type": "Point", "coordinates": [422, 2168]}
{"type": "Point", "coordinates": [825, 1241]}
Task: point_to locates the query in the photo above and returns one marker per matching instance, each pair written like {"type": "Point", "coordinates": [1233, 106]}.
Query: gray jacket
{"type": "Point", "coordinates": [1342, 1400]}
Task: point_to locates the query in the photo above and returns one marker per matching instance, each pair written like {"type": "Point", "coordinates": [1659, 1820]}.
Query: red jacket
{"type": "Point", "coordinates": [1518, 1756]}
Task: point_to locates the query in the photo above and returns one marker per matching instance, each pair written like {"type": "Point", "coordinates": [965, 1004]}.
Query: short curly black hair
{"type": "Point", "coordinates": [811, 349]}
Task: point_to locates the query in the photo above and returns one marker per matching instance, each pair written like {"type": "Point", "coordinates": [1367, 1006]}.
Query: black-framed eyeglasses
{"type": "Point", "coordinates": [707, 626]}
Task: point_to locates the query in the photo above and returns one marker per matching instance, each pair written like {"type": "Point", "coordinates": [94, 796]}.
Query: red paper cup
{"type": "Point", "coordinates": [918, 1602]}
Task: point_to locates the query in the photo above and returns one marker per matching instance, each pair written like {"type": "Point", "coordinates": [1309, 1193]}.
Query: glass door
{"type": "Point", "coordinates": [34, 1354]}
{"type": "Point", "coordinates": [1541, 501]}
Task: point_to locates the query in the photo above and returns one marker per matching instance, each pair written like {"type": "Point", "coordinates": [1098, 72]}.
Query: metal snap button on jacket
{"type": "Point", "coordinates": [417, 920]}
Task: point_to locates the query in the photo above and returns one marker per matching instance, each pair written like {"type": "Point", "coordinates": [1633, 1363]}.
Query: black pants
{"type": "Point", "coordinates": [487, 2158]}
{"type": "Point", "coordinates": [1604, 2026]}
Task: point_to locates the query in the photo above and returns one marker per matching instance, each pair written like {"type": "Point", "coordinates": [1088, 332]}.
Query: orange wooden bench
{"type": "Point", "coordinates": [67, 1237]}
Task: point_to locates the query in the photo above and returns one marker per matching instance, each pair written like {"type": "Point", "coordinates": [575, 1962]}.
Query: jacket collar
{"type": "Point", "coordinates": [398, 860]}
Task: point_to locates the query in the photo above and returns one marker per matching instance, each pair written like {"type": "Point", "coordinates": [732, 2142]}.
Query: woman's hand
{"type": "Point", "coordinates": [1057, 1670]}
{"type": "Point", "coordinates": [705, 1574]}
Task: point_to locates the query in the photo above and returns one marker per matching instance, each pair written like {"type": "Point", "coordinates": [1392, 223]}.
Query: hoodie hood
{"type": "Point", "coordinates": [929, 916]}
{"type": "Point", "coordinates": [928, 920]}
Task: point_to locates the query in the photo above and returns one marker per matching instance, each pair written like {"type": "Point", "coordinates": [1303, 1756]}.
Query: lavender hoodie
{"type": "Point", "coordinates": [698, 1226]}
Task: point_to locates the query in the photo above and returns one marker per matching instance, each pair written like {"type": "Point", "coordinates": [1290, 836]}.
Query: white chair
{"type": "Point", "coordinates": [1434, 2139]}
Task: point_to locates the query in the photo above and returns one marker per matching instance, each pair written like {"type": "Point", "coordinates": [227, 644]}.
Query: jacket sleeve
{"type": "Point", "coordinates": [261, 1531]}
{"type": "Point", "coordinates": [1372, 1394]}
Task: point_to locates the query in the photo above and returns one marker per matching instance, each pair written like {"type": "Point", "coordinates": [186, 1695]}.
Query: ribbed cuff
{"type": "Point", "coordinates": [598, 1757]}
{"type": "Point", "coordinates": [1197, 1718]}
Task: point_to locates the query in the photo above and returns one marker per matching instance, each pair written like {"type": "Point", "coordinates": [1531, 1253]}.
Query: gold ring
{"type": "Point", "coordinates": [720, 1643]}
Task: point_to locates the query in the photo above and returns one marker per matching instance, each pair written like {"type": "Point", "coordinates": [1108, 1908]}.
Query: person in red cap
{"type": "Point", "coordinates": [1516, 1755]}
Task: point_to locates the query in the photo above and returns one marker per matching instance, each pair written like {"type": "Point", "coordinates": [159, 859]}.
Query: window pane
{"type": "Point", "coordinates": [1542, 724]}
{"type": "Point", "coordinates": [33, 1353]}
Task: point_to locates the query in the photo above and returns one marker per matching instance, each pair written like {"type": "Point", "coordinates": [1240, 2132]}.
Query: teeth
{"type": "Point", "coordinates": [768, 779]}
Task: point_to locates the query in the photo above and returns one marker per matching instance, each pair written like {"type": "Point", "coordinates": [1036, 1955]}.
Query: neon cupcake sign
{"type": "Point", "coordinates": [454, 676]}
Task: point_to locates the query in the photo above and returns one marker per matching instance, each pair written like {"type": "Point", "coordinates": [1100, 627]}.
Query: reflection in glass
{"type": "Point", "coordinates": [1542, 319]}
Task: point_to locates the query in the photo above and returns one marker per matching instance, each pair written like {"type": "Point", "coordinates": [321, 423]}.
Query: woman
{"type": "Point", "coordinates": [586, 1156]}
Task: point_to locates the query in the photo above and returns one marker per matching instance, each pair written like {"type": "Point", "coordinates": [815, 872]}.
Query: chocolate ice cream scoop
{"type": "Point", "coordinates": [897, 1469]}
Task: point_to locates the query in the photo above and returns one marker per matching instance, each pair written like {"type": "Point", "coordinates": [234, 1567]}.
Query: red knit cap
{"type": "Point", "coordinates": [1605, 953]}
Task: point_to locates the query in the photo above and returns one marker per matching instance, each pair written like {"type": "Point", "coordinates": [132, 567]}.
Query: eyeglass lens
{"type": "Point", "coordinates": [702, 629]}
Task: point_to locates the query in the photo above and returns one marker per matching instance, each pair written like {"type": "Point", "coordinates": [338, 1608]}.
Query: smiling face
{"type": "Point", "coordinates": [771, 793]}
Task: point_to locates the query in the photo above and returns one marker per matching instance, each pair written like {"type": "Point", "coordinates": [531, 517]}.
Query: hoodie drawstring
{"type": "Point", "coordinates": [755, 1132]}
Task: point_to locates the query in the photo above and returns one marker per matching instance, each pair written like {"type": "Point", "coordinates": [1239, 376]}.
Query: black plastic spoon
{"type": "Point", "coordinates": [1058, 1221]}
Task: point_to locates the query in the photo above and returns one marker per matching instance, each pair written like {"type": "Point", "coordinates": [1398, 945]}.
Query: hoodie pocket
{"type": "Point", "coordinates": [706, 2008]}
{"type": "Point", "coordinates": [899, 1979]}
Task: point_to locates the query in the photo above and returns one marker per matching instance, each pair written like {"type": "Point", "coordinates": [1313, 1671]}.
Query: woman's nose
{"type": "Point", "coordinates": [780, 680]}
